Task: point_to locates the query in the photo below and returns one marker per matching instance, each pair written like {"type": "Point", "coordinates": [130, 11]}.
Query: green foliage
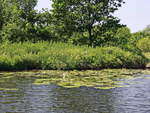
{"type": "Point", "coordinates": [77, 22]}
{"type": "Point", "coordinates": [144, 44]}
{"type": "Point", "coordinates": [12, 32]}
{"type": "Point", "coordinates": [147, 55]}
{"type": "Point", "coordinates": [115, 37]}
{"type": "Point", "coordinates": [66, 22]}
{"type": "Point", "coordinates": [44, 55]}
{"type": "Point", "coordinates": [79, 38]}
{"type": "Point", "coordinates": [82, 16]}
{"type": "Point", "coordinates": [8, 15]}
{"type": "Point", "coordinates": [20, 22]}
{"type": "Point", "coordinates": [122, 36]}
{"type": "Point", "coordinates": [7, 12]}
{"type": "Point", "coordinates": [147, 30]}
{"type": "Point", "coordinates": [137, 36]}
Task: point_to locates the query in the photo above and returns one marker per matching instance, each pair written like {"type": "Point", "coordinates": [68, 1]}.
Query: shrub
{"type": "Point", "coordinates": [144, 44]}
{"type": "Point", "coordinates": [52, 56]}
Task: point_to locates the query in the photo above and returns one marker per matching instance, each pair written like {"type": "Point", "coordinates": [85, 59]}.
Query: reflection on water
{"type": "Point", "coordinates": [20, 95]}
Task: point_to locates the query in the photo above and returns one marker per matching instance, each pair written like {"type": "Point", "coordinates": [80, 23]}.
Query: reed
{"type": "Point", "coordinates": [61, 56]}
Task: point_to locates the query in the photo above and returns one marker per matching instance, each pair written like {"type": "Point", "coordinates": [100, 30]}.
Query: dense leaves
{"type": "Point", "coordinates": [83, 16]}
{"type": "Point", "coordinates": [44, 55]}
{"type": "Point", "coordinates": [79, 22]}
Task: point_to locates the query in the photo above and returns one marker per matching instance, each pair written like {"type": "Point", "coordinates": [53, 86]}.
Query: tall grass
{"type": "Point", "coordinates": [52, 56]}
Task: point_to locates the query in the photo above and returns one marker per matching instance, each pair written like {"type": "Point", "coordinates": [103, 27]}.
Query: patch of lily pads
{"type": "Point", "coordinates": [8, 89]}
{"type": "Point", "coordinates": [99, 79]}
{"type": "Point", "coordinates": [103, 79]}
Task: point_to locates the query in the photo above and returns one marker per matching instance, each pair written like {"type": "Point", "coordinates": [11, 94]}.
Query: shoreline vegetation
{"type": "Point", "coordinates": [61, 56]}
{"type": "Point", "coordinates": [65, 38]}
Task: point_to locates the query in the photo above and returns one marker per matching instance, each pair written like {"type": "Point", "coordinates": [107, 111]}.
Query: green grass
{"type": "Point", "coordinates": [60, 56]}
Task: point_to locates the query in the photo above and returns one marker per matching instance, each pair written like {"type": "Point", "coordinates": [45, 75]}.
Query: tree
{"type": "Point", "coordinates": [1, 14]}
{"type": "Point", "coordinates": [17, 19]}
{"type": "Point", "coordinates": [123, 36]}
{"type": "Point", "coordinates": [8, 15]}
{"type": "Point", "coordinates": [44, 26]}
{"type": "Point", "coordinates": [147, 29]}
{"type": "Point", "coordinates": [144, 44]}
{"type": "Point", "coordinates": [27, 9]}
{"type": "Point", "coordinates": [8, 12]}
{"type": "Point", "coordinates": [83, 15]}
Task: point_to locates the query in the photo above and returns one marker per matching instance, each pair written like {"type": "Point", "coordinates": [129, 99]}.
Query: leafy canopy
{"type": "Point", "coordinates": [84, 15]}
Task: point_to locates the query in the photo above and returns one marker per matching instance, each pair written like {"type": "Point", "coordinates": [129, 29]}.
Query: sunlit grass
{"type": "Point", "coordinates": [61, 56]}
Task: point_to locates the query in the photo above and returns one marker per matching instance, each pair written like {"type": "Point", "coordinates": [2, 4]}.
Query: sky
{"type": "Point", "coordinates": [134, 13]}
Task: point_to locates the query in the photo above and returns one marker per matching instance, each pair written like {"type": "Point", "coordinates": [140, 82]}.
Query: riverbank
{"type": "Point", "coordinates": [60, 56]}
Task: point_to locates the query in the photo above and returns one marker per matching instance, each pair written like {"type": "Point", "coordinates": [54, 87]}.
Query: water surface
{"type": "Point", "coordinates": [22, 95]}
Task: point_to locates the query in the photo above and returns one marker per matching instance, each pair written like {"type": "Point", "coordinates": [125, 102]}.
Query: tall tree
{"type": "Point", "coordinates": [28, 17]}
{"type": "Point", "coordinates": [27, 12]}
{"type": "Point", "coordinates": [84, 15]}
{"type": "Point", "coordinates": [8, 12]}
{"type": "Point", "coordinates": [1, 14]}
{"type": "Point", "coordinates": [17, 19]}
{"type": "Point", "coordinates": [147, 29]}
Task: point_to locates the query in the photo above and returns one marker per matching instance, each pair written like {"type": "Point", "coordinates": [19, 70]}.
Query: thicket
{"type": "Point", "coordinates": [44, 55]}
{"type": "Point", "coordinates": [144, 44]}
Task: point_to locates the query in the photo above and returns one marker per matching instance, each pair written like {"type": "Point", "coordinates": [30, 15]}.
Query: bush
{"type": "Point", "coordinates": [144, 44]}
{"type": "Point", "coordinates": [52, 56]}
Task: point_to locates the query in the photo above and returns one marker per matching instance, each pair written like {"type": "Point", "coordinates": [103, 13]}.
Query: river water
{"type": "Point", "coordinates": [20, 95]}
